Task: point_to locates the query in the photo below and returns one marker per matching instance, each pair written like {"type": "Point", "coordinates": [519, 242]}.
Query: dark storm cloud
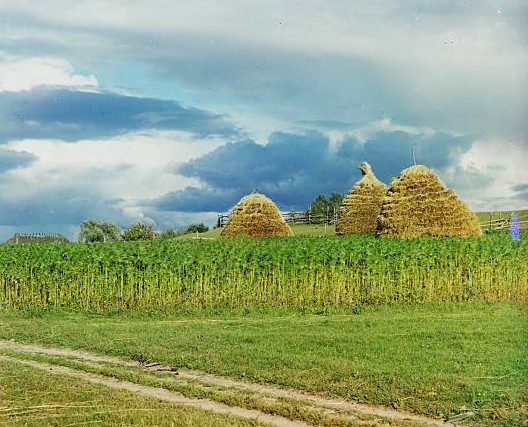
{"type": "Point", "coordinates": [390, 152]}
{"type": "Point", "coordinates": [10, 159]}
{"type": "Point", "coordinates": [294, 168]}
{"type": "Point", "coordinates": [47, 112]}
{"type": "Point", "coordinates": [194, 199]}
{"type": "Point", "coordinates": [521, 193]}
{"type": "Point", "coordinates": [56, 207]}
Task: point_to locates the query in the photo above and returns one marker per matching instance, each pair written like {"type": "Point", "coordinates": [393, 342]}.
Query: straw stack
{"type": "Point", "coordinates": [417, 203]}
{"type": "Point", "coordinates": [256, 215]}
{"type": "Point", "coordinates": [360, 208]}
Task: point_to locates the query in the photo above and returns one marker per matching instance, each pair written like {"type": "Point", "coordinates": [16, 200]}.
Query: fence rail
{"type": "Point", "coordinates": [295, 218]}
{"type": "Point", "coordinates": [501, 224]}
{"type": "Point", "coordinates": [331, 218]}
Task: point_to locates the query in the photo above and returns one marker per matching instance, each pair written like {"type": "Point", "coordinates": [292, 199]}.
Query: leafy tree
{"type": "Point", "coordinates": [318, 206]}
{"type": "Point", "coordinates": [140, 231]}
{"type": "Point", "coordinates": [93, 230]}
{"type": "Point", "coordinates": [321, 205]}
{"type": "Point", "coordinates": [197, 228]}
{"type": "Point", "coordinates": [335, 200]}
{"type": "Point", "coordinates": [170, 233]}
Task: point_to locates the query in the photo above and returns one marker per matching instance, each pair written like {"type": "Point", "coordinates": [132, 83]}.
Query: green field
{"type": "Point", "coordinates": [299, 272]}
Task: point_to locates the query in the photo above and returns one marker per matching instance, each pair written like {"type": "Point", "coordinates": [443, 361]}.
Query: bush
{"type": "Point", "coordinates": [139, 231]}
{"type": "Point", "coordinates": [170, 233]}
{"type": "Point", "coordinates": [197, 228]}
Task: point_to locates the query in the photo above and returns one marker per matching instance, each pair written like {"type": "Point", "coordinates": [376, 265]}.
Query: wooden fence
{"type": "Point", "coordinates": [501, 223]}
{"type": "Point", "coordinates": [331, 218]}
{"type": "Point", "coordinates": [293, 217]}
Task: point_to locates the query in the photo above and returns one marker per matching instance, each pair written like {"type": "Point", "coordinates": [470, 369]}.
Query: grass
{"type": "Point", "coordinates": [287, 407]}
{"type": "Point", "coordinates": [30, 397]}
{"type": "Point", "coordinates": [436, 359]}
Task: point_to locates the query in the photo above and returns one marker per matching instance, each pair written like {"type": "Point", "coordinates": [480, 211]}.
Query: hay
{"type": "Point", "coordinates": [255, 215]}
{"type": "Point", "coordinates": [360, 208]}
{"type": "Point", "coordinates": [417, 203]}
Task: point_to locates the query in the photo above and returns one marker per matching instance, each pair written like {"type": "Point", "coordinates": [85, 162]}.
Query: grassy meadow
{"type": "Point", "coordinates": [32, 398]}
{"type": "Point", "coordinates": [437, 359]}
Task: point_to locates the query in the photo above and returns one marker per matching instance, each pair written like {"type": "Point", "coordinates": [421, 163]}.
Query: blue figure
{"type": "Point", "coordinates": [514, 228]}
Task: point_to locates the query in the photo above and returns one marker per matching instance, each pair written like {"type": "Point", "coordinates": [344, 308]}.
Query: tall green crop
{"type": "Point", "coordinates": [268, 272]}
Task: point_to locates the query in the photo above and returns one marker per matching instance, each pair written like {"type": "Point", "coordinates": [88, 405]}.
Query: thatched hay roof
{"type": "Point", "coordinates": [255, 215]}
{"type": "Point", "coordinates": [417, 203]}
{"type": "Point", "coordinates": [360, 208]}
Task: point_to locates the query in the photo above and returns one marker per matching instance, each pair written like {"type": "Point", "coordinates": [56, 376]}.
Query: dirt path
{"type": "Point", "coordinates": [159, 393]}
{"type": "Point", "coordinates": [317, 403]}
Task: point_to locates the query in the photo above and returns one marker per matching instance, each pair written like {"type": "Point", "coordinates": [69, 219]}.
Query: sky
{"type": "Point", "coordinates": [168, 112]}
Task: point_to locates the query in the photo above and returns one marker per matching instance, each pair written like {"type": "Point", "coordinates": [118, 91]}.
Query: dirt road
{"type": "Point", "coordinates": [354, 413]}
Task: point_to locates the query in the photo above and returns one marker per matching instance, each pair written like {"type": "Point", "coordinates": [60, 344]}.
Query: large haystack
{"type": "Point", "coordinates": [360, 208]}
{"type": "Point", "coordinates": [417, 203]}
{"type": "Point", "coordinates": [256, 215]}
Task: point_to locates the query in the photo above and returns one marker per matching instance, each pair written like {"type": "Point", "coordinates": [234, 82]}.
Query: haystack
{"type": "Point", "coordinates": [256, 215]}
{"type": "Point", "coordinates": [360, 208]}
{"type": "Point", "coordinates": [417, 203]}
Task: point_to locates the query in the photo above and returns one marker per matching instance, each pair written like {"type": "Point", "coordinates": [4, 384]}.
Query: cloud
{"type": "Point", "coordinates": [10, 159]}
{"type": "Point", "coordinates": [47, 112]}
{"type": "Point", "coordinates": [390, 152]}
{"type": "Point", "coordinates": [28, 73]}
{"type": "Point", "coordinates": [198, 199]}
{"type": "Point", "coordinates": [293, 168]}
{"type": "Point", "coordinates": [520, 194]}
{"type": "Point", "coordinates": [521, 189]}
{"type": "Point", "coordinates": [322, 61]}
{"type": "Point", "coordinates": [47, 184]}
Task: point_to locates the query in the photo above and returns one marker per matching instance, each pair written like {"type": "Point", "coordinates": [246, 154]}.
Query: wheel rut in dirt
{"type": "Point", "coordinates": [354, 412]}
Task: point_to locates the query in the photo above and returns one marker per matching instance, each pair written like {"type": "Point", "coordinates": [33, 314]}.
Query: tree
{"type": "Point", "coordinates": [197, 228]}
{"type": "Point", "coordinates": [140, 231]}
{"type": "Point", "coordinates": [334, 201]}
{"type": "Point", "coordinates": [93, 230]}
{"type": "Point", "coordinates": [322, 205]}
{"type": "Point", "coordinates": [170, 233]}
{"type": "Point", "coordinates": [319, 205]}
{"type": "Point", "coordinates": [322, 208]}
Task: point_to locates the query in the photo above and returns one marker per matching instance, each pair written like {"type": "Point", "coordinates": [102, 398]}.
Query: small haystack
{"type": "Point", "coordinates": [417, 203]}
{"type": "Point", "coordinates": [255, 215]}
{"type": "Point", "coordinates": [360, 208]}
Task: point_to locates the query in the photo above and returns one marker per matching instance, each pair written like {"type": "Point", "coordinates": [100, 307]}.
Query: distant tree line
{"type": "Point", "coordinates": [93, 230]}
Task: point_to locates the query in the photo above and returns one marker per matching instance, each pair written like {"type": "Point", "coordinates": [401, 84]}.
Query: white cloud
{"type": "Point", "coordinates": [125, 171]}
{"type": "Point", "coordinates": [370, 130]}
{"type": "Point", "coordinates": [27, 73]}
{"type": "Point", "coordinates": [488, 172]}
